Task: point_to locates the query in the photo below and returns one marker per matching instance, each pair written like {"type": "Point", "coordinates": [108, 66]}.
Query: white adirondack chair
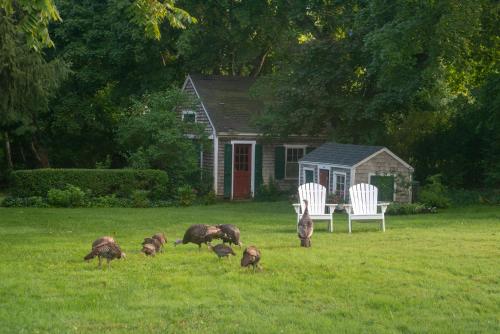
{"type": "Point", "coordinates": [364, 204]}
{"type": "Point", "coordinates": [315, 194]}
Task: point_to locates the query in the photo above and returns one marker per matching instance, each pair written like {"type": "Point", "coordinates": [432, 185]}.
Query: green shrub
{"type": "Point", "coordinates": [461, 197]}
{"type": "Point", "coordinates": [33, 201]}
{"type": "Point", "coordinates": [269, 192]}
{"type": "Point", "coordinates": [210, 198]}
{"type": "Point", "coordinates": [72, 196]}
{"type": "Point", "coordinates": [434, 193]}
{"type": "Point", "coordinates": [140, 199]}
{"type": "Point", "coordinates": [99, 182]}
{"type": "Point", "coordinates": [491, 196]}
{"type": "Point", "coordinates": [110, 201]}
{"type": "Point", "coordinates": [185, 195]}
{"type": "Point", "coordinates": [409, 209]}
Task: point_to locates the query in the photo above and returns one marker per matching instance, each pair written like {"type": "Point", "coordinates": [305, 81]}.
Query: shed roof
{"type": "Point", "coordinates": [227, 101]}
{"type": "Point", "coordinates": [341, 154]}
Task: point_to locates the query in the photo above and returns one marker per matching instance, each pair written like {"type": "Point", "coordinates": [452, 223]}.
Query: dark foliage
{"type": "Point", "coordinates": [98, 182]}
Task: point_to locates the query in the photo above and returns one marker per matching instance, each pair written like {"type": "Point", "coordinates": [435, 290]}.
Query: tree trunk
{"type": "Point", "coordinates": [23, 156]}
{"type": "Point", "coordinates": [233, 64]}
{"type": "Point", "coordinates": [40, 154]}
{"type": "Point", "coordinates": [8, 153]}
{"type": "Point", "coordinates": [258, 67]}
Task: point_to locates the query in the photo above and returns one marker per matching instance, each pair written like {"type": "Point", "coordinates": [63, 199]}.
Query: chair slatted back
{"type": "Point", "coordinates": [315, 194]}
{"type": "Point", "coordinates": [364, 198]}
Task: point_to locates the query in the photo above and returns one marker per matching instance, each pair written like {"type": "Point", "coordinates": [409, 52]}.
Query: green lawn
{"type": "Point", "coordinates": [428, 273]}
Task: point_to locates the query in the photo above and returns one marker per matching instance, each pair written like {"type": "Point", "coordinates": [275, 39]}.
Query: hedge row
{"type": "Point", "coordinates": [99, 182]}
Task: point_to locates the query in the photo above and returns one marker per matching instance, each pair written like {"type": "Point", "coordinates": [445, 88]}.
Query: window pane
{"type": "Point", "coordinates": [189, 117]}
{"type": "Point", "coordinates": [292, 170]}
{"type": "Point", "coordinates": [309, 176]}
{"type": "Point", "coordinates": [292, 157]}
{"type": "Point", "coordinates": [340, 184]}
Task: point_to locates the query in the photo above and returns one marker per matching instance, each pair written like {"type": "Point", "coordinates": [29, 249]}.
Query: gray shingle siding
{"type": "Point", "coordinates": [201, 116]}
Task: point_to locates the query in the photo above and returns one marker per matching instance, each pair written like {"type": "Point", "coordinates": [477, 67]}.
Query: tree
{"type": "Point", "coordinates": [154, 136]}
{"type": "Point", "coordinates": [233, 37]}
{"type": "Point", "coordinates": [34, 17]}
{"type": "Point", "coordinates": [391, 73]}
{"type": "Point", "coordinates": [27, 82]}
{"type": "Point", "coordinates": [112, 61]}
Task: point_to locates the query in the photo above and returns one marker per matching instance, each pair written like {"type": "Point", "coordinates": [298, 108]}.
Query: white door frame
{"type": "Point", "coordinates": [252, 171]}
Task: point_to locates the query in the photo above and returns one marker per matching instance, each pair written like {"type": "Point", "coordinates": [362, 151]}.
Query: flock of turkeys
{"type": "Point", "coordinates": [106, 247]}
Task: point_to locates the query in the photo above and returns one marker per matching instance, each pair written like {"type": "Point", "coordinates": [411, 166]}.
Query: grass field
{"type": "Point", "coordinates": [429, 273]}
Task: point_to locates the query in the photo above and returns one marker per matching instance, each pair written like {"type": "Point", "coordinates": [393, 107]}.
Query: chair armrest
{"type": "Point", "coordinates": [348, 208]}
{"type": "Point", "coordinates": [331, 207]}
{"type": "Point", "coordinates": [297, 208]}
{"type": "Point", "coordinates": [383, 206]}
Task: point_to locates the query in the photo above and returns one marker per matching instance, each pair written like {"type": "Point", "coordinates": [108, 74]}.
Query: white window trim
{"type": "Point", "coordinates": [312, 169]}
{"type": "Point", "coordinates": [287, 146]}
{"type": "Point", "coordinates": [216, 163]}
{"type": "Point", "coordinates": [385, 174]}
{"type": "Point", "coordinates": [252, 172]}
{"type": "Point", "coordinates": [190, 112]}
{"type": "Point", "coordinates": [335, 182]}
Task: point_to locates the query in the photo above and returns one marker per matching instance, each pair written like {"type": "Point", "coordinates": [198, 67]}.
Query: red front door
{"type": "Point", "coordinates": [324, 178]}
{"type": "Point", "coordinates": [242, 170]}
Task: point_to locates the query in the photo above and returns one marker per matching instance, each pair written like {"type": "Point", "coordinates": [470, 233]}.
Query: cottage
{"type": "Point", "coordinates": [240, 158]}
{"type": "Point", "coordinates": [339, 166]}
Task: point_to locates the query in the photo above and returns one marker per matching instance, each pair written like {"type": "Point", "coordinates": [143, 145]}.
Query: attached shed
{"type": "Point", "coordinates": [340, 166]}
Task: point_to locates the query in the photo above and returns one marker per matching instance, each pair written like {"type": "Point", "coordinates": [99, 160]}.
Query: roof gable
{"type": "Point", "coordinates": [227, 101]}
{"type": "Point", "coordinates": [341, 154]}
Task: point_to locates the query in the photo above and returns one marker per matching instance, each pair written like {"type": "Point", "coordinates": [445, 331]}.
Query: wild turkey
{"type": "Point", "coordinates": [251, 256]}
{"type": "Point", "coordinates": [149, 249]}
{"type": "Point", "coordinates": [305, 228]}
{"type": "Point", "coordinates": [200, 234]}
{"type": "Point", "coordinates": [231, 234]}
{"type": "Point", "coordinates": [222, 250]}
{"type": "Point", "coordinates": [107, 250]}
{"type": "Point", "coordinates": [157, 244]}
{"type": "Point", "coordinates": [102, 240]}
{"type": "Point", "coordinates": [161, 238]}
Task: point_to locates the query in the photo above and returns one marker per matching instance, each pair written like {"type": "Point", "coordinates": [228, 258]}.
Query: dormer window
{"type": "Point", "coordinates": [189, 116]}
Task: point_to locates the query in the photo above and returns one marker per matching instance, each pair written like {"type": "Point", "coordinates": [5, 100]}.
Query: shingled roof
{"type": "Point", "coordinates": [340, 154]}
{"type": "Point", "coordinates": [228, 102]}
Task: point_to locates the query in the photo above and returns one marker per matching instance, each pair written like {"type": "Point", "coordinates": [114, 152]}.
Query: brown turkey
{"type": "Point", "coordinates": [231, 234]}
{"type": "Point", "coordinates": [161, 238]}
{"type": "Point", "coordinates": [107, 250]}
{"type": "Point", "coordinates": [251, 256]}
{"type": "Point", "coordinates": [151, 241]}
{"type": "Point", "coordinates": [222, 250]}
{"type": "Point", "coordinates": [149, 249]}
{"type": "Point", "coordinates": [305, 228]}
{"type": "Point", "coordinates": [102, 240]}
{"type": "Point", "coordinates": [200, 234]}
